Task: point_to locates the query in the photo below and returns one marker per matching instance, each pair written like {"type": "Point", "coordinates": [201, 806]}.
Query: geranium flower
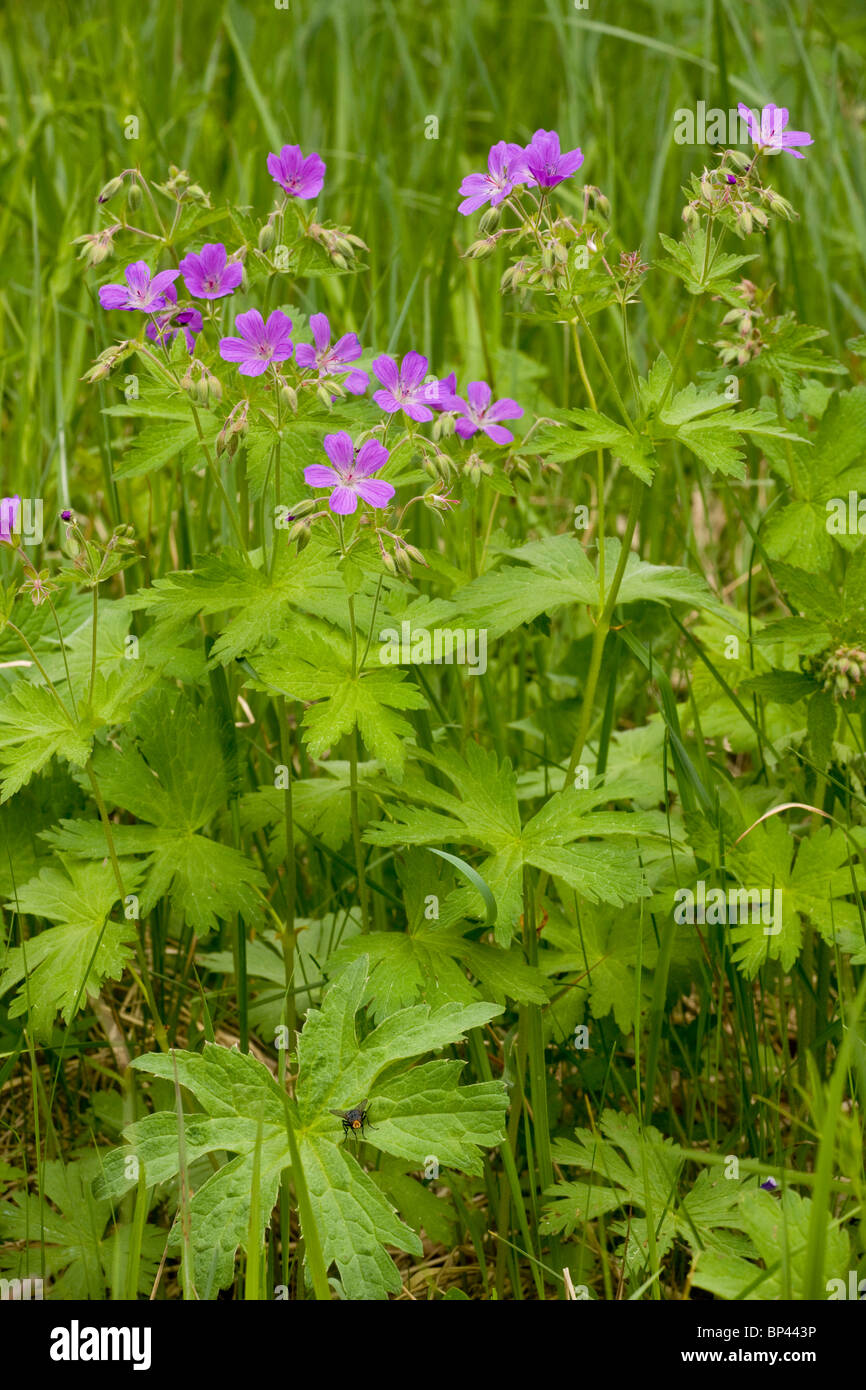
{"type": "Point", "coordinates": [9, 509]}
{"type": "Point", "coordinates": [477, 413]}
{"type": "Point", "coordinates": [330, 361]}
{"type": "Point", "coordinates": [260, 343]}
{"type": "Point", "coordinates": [545, 164]}
{"type": "Point", "coordinates": [406, 390]}
{"type": "Point", "coordinates": [770, 135]}
{"type": "Point", "coordinates": [506, 165]}
{"type": "Point", "coordinates": [299, 176]}
{"type": "Point", "coordinates": [210, 275]}
{"type": "Point", "coordinates": [140, 291]}
{"type": "Point", "coordinates": [167, 325]}
{"type": "Point", "coordinates": [350, 477]}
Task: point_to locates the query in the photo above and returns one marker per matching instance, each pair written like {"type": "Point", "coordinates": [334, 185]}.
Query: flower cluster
{"type": "Point", "coordinates": [329, 364]}
{"type": "Point", "coordinates": [540, 164]}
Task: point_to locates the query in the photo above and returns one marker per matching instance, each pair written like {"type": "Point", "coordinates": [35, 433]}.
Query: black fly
{"type": "Point", "coordinates": [355, 1119]}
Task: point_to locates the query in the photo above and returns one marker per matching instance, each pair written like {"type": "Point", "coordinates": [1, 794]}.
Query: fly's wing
{"type": "Point", "coordinates": [340, 1114]}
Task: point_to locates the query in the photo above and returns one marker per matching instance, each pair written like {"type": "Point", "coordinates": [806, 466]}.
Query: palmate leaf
{"type": "Point", "coordinates": [315, 665]}
{"type": "Point", "coordinates": [34, 728]}
{"type": "Point", "coordinates": [61, 1237]}
{"type": "Point", "coordinates": [422, 1110]}
{"type": "Point", "coordinates": [778, 1230]}
{"type": "Point", "coordinates": [430, 958]}
{"type": "Point", "coordinates": [636, 1169]}
{"type": "Point", "coordinates": [705, 422]}
{"type": "Point", "coordinates": [814, 879]}
{"type": "Point", "coordinates": [594, 431]}
{"type": "Point", "coordinates": [230, 582]}
{"type": "Point", "coordinates": [484, 814]}
{"type": "Point", "coordinates": [558, 571]}
{"type": "Point", "coordinates": [61, 965]}
{"type": "Point", "coordinates": [786, 354]}
{"type": "Point", "coordinates": [688, 258]}
{"type": "Point", "coordinates": [829, 465]}
{"type": "Point", "coordinates": [170, 772]}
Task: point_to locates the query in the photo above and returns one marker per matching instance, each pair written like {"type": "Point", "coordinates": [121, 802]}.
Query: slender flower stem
{"type": "Point", "coordinates": [146, 983]}
{"type": "Point", "coordinates": [611, 380]}
{"type": "Point", "coordinates": [599, 458]}
{"type": "Point", "coordinates": [601, 630]}
{"type": "Point", "coordinates": [353, 788]}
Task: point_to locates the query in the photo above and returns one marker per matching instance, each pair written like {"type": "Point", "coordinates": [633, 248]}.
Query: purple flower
{"type": "Point", "coordinates": [9, 510]}
{"type": "Point", "coordinates": [771, 135]}
{"type": "Point", "coordinates": [166, 327]}
{"type": "Point", "coordinates": [477, 413]}
{"type": "Point", "coordinates": [545, 164]}
{"type": "Point", "coordinates": [330, 361]}
{"type": "Point", "coordinates": [297, 175]}
{"type": "Point", "coordinates": [66, 515]}
{"type": "Point", "coordinates": [140, 291]}
{"type": "Point", "coordinates": [210, 275]}
{"type": "Point", "coordinates": [506, 166]}
{"type": "Point", "coordinates": [406, 390]}
{"type": "Point", "coordinates": [350, 477]}
{"type": "Point", "coordinates": [770, 1185]}
{"type": "Point", "coordinates": [260, 343]}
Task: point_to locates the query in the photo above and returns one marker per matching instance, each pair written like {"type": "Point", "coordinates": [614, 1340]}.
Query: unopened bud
{"type": "Point", "coordinates": [133, 197]}
{"type": "Point", "coordinates": [289, 398]}
{"type": "Point", "coordinates": [490, 220]}
{"type": "Point", "coordinates": [303, 508]}
{"type": "Point", "coordinates": [111, 188]}
{"type": "Point", "coordinates": [324, 395]}
{"type": "Point", "coordinates": [300, 532]}
{"type": "Point", "coordinates": [267, 236]}
{"type": "Point", "coordinates": [480, 250]}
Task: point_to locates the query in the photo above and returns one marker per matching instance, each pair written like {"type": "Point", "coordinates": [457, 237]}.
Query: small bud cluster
{"type": "Point", "coordinates": [234, 430]}
{"type": "Point", "coordinates": [108, 360]}
{"type": "Point", "coordinates": [843, 672]}
{"type": "Point", "coordinates": [201, 385]}
{"type": "Point", "coordinates": [342, 247]}
{"type": "Point", "coordinates": [734, 194]}
{"type": "Point", "coordinates": [179, 187]}
{"type": "Point", "coordinates": [743, 340]}
{"type": "Point", "coordinates": [96, 247]}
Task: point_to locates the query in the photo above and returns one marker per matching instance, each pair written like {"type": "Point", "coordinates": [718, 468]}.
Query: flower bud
{"type": "Point", "coordinates": [111, 188]}
{"type": "Point", "coordinates": [480, 250]}
{"type": "Point", "coordinates": [388, 562]}
{"type": "Point", "coordinates": [289, 398]}
{"type": "Point", "coordinates": [214, 387]}
{"type": "Point", "coordinates": [300, 532]}
{"type": "Point", "coordinates": [324, 395]}
{"type": "Point", "coordinates": [404, 564]}
{"type": "Point", "coordinates": [303, 508]}
{"type": "Point", "coordinates": [267, 236]}
{"type": "Point", "coordinates": [490, 220]}
{"type": "Point", "coordinates": [133, 197]}
{"type": "Point", "coordinates": [196, 194]}
{"type": "Point", "coordinates": [744, 220]}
